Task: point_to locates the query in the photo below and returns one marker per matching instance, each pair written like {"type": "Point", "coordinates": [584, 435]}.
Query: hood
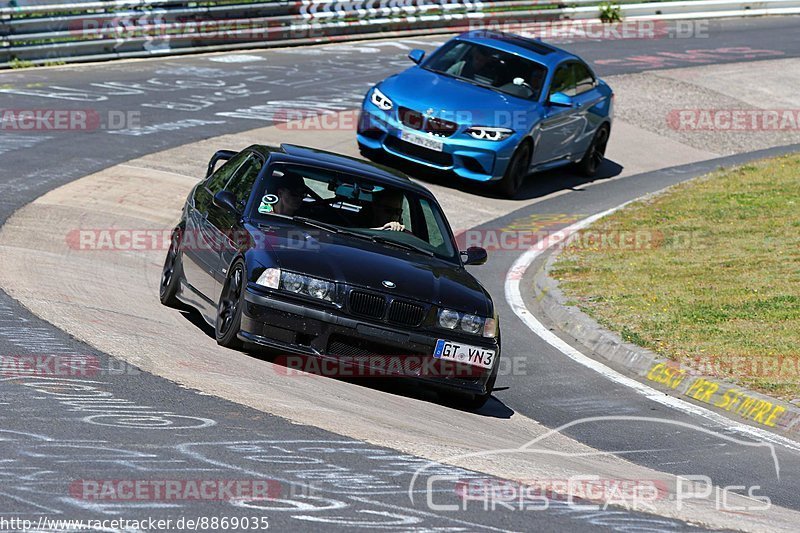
{"type": "Point", "coordinates": [451, 98]}
{"type": "Point", "coordinates": [362, 263]}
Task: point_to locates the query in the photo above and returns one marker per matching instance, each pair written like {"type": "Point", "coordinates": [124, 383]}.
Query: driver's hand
{"type": "Point", "coordinates": [393, 226]}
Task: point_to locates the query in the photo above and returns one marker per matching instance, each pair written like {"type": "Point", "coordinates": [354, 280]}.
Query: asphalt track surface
{"type": "Point", "coordinates": [49, 443]}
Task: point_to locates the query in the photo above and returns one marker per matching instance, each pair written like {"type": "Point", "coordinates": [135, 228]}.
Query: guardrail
{"type": "Point", "coordinates": [90, 31]}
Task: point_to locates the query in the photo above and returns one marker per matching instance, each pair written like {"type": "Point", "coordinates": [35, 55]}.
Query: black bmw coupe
{"type": "Point", "coordinates": [328, 258]}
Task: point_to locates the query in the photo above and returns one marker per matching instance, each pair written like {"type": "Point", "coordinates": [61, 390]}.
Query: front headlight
{"type": "Point", "coordinates": [292, 282]}
{"type": "Point", "coordinates": [473, 324]}
{"type": "Point", "coordinates": [297, 283]}
{"type": "Point", "coordinates": [485, 133]}
{"type": "Point", "coordinates": [449, 319]}
{"type": "Point", "coordinates": [319, 288]}
{"type": "Point", "coordinates": [381, 100]}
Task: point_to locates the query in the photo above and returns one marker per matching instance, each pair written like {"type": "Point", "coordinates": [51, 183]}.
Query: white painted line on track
{"type": "Point", "coordinates": [514, 298]}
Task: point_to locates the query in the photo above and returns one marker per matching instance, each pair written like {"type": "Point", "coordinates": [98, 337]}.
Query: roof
{"type": "Point", "coordinates": [292, 153]}
{"type": "Point", "coordinates": [517, 44]}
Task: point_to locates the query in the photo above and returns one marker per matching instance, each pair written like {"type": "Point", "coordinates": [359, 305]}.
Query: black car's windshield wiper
{"type": "Point", "coordinates": [317, 224]}
{"type": "Point", "coordinates": [342, 231]}
{"type": "Point", "coordinates": [330, 227]}
{"type": "Point", "coordinates": [310, 222]}
{"type": "Point", "coordinates": [404, 245]}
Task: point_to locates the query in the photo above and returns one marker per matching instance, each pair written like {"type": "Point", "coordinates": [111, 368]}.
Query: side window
{"type": "Point", "coordinates": [448, 58]}
{"type": "Point", "coordinates": [584, 81]}
{"type": "Point", "coordinates": [406, 220]}
{"type": "Point", "coordinates": [218, 179]}
{"type": "Point", "coordinates": [435, 237]}
{"type": "Point", "coordinates": [563, 81]}
{"type": "Point", "coordinates": [242, 181]}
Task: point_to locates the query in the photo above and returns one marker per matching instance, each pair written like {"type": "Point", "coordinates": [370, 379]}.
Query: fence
{"type": "Point", "coordinates": [98, 30]}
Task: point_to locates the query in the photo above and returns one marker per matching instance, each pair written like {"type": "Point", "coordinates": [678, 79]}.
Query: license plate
{"type": "Point", "coordinates": [464, 353]}
{"type": "Point", "coordinates": [421, 140]}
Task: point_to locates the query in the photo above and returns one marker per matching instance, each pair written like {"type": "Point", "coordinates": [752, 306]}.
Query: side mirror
{"type": "Point", "coordinates": [474, 255]}
{"type": "Point", "coordinates": [560, 100]}
{"type": "Point", "coordinates": [221, 155]}
{"type": "Point", "coordinates": [416, 55]}
{"type": "Point", "coordinates": [226, 200]}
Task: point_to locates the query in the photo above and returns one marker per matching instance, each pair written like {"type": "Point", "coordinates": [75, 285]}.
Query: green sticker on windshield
{"type": "Point", "coordinates": [266, 203]}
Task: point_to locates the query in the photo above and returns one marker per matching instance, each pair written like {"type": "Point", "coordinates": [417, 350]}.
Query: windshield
{"type": "Point", "coordinates": [354, 207]}
{"type": "Point", "coordinates": [489, 67]}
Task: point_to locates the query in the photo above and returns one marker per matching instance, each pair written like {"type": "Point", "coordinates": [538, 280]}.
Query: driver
{"type": "Point", "coordinates": [387, 210]}
{"type": "Point", "coordinates": [476, 64]}
{"type": "Point", "coordinates": [287, 190]}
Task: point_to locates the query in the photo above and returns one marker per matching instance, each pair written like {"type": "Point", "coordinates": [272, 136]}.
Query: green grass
{"type": "Point", "coordinates": [719, 280]}
{"type": "Point", "coordinates": [20, 64]}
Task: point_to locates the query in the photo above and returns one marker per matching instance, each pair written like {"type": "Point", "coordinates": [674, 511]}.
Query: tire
{"type": "Point", "coordinates": [172, 273]}
{"type": "Point", "coordinates": [516, 171]}
{"type": "Point", "coordinates": [595, 154]}
{"type": "Point", "coordinates": [229, 308]}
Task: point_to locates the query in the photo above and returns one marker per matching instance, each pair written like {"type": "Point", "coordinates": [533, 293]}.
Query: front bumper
{"type": "Point", "coordinates": [470, 158]}
{"type": "Point", "coordinates": [358, 347]}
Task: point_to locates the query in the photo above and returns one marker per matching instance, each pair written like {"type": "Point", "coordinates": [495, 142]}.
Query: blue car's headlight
{"type": "Point", "coordinates": [380, 100]}
{"type": "Point", "coordinates": [486, 133]}
{"type": "Point", "coordinates": [297, 283]}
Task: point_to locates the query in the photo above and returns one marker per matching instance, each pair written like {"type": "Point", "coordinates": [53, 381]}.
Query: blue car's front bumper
{"type": "Point", "coordinates": [467, 157]}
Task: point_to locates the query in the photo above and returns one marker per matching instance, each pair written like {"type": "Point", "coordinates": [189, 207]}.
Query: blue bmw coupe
{"type": "Point", "coordinates": [491, 107]}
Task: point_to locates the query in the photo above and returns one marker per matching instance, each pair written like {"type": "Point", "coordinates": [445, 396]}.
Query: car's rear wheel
{"type": "Point", "coordinates": [229, 309]}
{"type": "Point", "coordinates": [172, 272]}
{"type": "Point", "coordinates": [516, 171]}
{"type": "Point", "coordinates": [595, 154]}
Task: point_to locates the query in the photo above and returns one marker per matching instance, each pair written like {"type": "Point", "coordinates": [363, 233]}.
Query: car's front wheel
{"type": "Point", "coordinates": [172, 272]}
{"type": "Point", "coordinates": [516, 171]}
{"type": "Point", "coordinates": [229, 309]}
{"type": "Point", "coordinates": [595, 154]}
